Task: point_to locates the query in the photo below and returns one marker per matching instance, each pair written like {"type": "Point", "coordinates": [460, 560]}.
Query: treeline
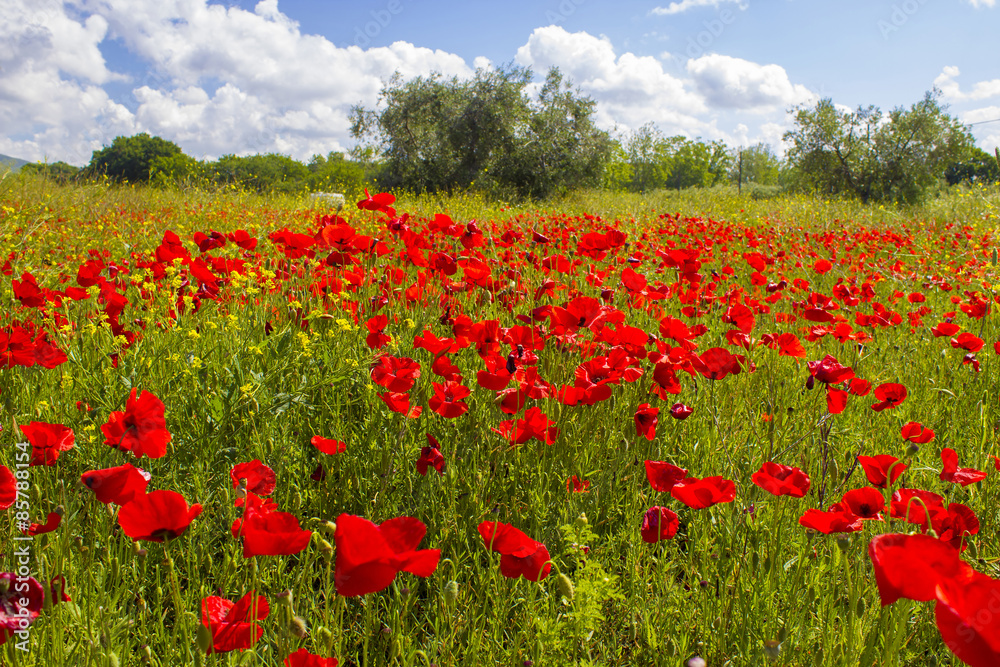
{"type": "Point", "coordinates": [146, 159]}
{"type": "Point", "coordinates": [490, 134]}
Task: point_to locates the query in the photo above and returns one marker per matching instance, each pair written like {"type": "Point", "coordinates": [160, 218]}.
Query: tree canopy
{"type": "Point", "coordinates": [437, 134]}
{"type": "Point", "coordinates": [132, 158]}
{"type": "Point", "coordinates": [876, 156]}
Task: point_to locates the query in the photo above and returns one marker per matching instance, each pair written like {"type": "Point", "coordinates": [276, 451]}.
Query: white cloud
{"type": "Point", "coordinates": [630, 90]}
{"type": "Point", "coordinates": [734, 83]}
{"type": "Point", "coordinates": [983, 3]}
{"type": "Point", "coordinates": [227, 80]}
{"type": "Point", "coordinates": [219, 80]}
{"type": "Point", "coordinates": [952, 91]}
{"type": "Point", "coordinates": [684, 5]}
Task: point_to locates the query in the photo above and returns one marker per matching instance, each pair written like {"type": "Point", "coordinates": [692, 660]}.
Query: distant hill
{"type": "Point", "coordinates": [14, 163]}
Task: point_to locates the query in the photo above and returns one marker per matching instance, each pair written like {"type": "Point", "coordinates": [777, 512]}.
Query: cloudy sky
{"type": "Point", "coordinates": [248, 76]}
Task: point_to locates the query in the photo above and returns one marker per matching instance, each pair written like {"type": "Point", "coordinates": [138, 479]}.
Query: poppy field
{"type": "Point", "coordinates": [243, 431]}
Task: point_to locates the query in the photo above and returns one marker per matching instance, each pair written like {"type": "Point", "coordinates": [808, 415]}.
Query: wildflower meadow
{"type": "Point", "coordinates": [612, 430]}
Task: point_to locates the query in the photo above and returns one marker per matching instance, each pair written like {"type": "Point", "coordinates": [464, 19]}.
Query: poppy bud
{"type": "Point", "coordinates": [330, 527]}
{"type": "Point", "coordinates": [324, 635]}
{"type": "Point", "coordinates": [204, 638]}
{"type": "Point", "coordinates": [565, 586]}
{"type": "Point", "coordinates": [581, 520]}
{"type": "Point", "coordinates": [4, 586]}
{"type": "Point", "coordinates": [112, 659]}
{"type": "Point", "coordinates": [285, 598]}
{"type": "Point", "coordinates": [810, 382]}
{"type": "Point", "coordinates": [297, 626]}
{"type": "Point", "coordinates": [844, 542]}
{"type": "Point", "coordinates": [772, 648]}
{"type": "Point", "coordinates": [147, 655]}
{"type": "Point", "coordinates": [912, 449]}
{"type": "Point", "coordinates": [451, 592]}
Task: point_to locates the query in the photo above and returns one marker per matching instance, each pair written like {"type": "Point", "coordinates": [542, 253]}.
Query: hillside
{"type": "Point", "coordinates": [13, 163]}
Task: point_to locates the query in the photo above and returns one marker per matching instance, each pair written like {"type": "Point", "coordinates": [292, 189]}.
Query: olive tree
{"type": "Point", "coordinates": [873, 155]}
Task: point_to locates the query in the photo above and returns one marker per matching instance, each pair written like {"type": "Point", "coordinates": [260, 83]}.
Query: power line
{"type": "Point", "coordinates": [984, 121]}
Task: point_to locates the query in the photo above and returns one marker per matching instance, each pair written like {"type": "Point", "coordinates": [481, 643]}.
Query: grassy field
{"type": "Point", "coordinates": [546, 355]}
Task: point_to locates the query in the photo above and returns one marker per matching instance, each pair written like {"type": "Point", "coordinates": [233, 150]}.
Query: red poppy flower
{"type": "Point", "coordinates": [157, 516]}
{"type": "Point", "coordinates": [968, 342]}
{"type": "Point", "coordinates": [328, 446]}
{"type": "Point", "coordinates": [381, 201]}
{"type": "Point", "coordinates": [781, 480]}
{"type": "Point", "coordinates": [890, 395]}
{"type": "Point", "coordinates": [680, 412]}
{"type": "Point", "coordinates": [400, 402]}
{"type": "Point", "coordinates": [916, 432]}
{"type": "Point", "coordinates": [47, 442]}
{"type": "Point", "coordinates": [916, 506]}
{"type": "Point", "coordinates": [865, 503]}
{"type": "Point", "coordinates": [535, 424]}
{"type": "Point", "coordinates": [8, 488]}
{"type": "Point", "coordinates": [260, 479]}
{"type": "Point", "coordinates": [519, 554]}
{"type": "Point", "coordinates": [877, 469]}
{"type": "Point", "coordinates": [303, 658]}
{"type": "Point", "coordinates": [967, 618]}
{"type": "Point", "coordinates": [272, 534]}
{"type": "Point", "coordinates": [396, 374]}
{"type": "Point", "coordinates": [118, 485]}
{"type": "Point", "coordinates": [953, 526]}
{"type": "Point", "coordinates": [836, 400]}
{"type": "Point", "coordinates": [52, 522]}
{"type": "Point", "coordinates": [716, 363]}
{"type": "Point", "coordinates": [21, 601]}
{"type": "Point", "coordinates": [911, 566]}
{"type": "Point", "coordinates": [702, 493]}
{"type": "Point", "coordinates": [646, 417]}
{"type": "Point", "coordinates": [576, 485]}
{"type": "Point", "coordinates": [859, 387]}
{"type": "Point", "coordinates": [835, 520]}
{"type": "Point", "coordinates": [369, 556]}
{"type": "Point", "coordinates": [447, 400]}
{"type": "Point", "coordinates": [430, 457]}
{"type": "Point", "coordinates": [829, 370]}
{"type": "Point", "coordinates": [952, 473]}
{"type": "Point", "coordinates": [141, 429]}
{"type": "Point", "coordinates": [658, 523]}
{"type": "Point", "coordinates": [233, 625]}
{"type": "Point", "coordinates": [663, 476]}
{"type": "Point", "coordinates": [377, 338]}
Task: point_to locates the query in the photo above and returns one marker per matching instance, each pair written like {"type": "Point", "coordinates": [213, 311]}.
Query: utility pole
{"type": "Point", "coordinates": [739, 178]}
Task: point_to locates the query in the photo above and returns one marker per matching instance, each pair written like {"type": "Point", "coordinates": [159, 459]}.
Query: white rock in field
{"type": "Point", "coordinates": [331, 198]}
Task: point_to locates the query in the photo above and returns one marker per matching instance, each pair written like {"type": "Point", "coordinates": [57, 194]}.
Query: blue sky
{"type": "Point", "coordinates": [239, 76]}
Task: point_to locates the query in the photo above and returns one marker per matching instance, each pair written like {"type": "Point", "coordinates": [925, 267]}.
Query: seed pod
{"type": "Point", "coordinates": [565, 586]}
{"type": "Point", "coordinates": [204, 638]}
{"type": "Point", "coordinates": [451, 592]}
{"type": "Point", "coordinates": [297, 626]}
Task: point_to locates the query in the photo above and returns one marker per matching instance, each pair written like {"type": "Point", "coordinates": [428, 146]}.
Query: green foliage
{"type": "Point", "coordinates": [646, 160]}
{"type": "Point", "coordinates": [443, 135]}
{"type": "Point", "coordinates": [260, 173]}
{"type": "Point", "coordinates": [756, 165]}
{"type": "Point", "coordinates": [131, 159]}
{"type": "Point", "coordinates": [978, 167]}
{"type": "Point", "coordinates": [874, 156]}
{"type": "Point", "coordinates": [59, 172]}
{"type": "Point", "coordinates": [335, 173]}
